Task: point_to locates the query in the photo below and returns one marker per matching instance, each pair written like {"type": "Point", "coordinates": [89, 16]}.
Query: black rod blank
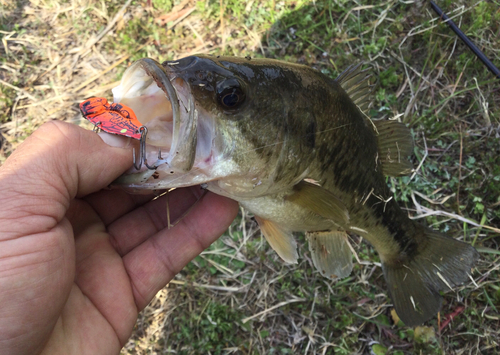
{"type": "Point", "coordinates": [466, 40]}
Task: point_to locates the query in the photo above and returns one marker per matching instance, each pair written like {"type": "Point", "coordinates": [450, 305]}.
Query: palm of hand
{"type": "Point", "coordinates": [74, 272]}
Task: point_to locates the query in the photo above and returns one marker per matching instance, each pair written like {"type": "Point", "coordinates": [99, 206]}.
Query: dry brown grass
{"type": "Point", "coordinates": [238, 295]}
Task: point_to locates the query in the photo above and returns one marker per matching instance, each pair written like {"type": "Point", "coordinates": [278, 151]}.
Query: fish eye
{"type": "Point", "coordinates": [230, 95]}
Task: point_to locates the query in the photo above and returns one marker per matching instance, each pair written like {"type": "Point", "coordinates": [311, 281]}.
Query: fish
{"type": "Point", "coordinates": [299, 151]}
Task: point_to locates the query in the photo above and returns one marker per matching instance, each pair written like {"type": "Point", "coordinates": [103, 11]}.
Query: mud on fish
{"type": "Point", "coordinates": [296, 149]}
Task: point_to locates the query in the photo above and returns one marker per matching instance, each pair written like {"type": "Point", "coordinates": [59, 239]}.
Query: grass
{"type": "Point", "coordinates": [237, 297]}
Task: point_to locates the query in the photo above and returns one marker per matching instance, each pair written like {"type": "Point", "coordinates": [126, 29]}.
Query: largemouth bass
{"type": "Point", "coordinates": [296, 149]}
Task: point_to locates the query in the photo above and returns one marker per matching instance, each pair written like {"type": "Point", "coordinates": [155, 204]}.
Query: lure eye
{"type": "Point", "coordinates": [230, 95]}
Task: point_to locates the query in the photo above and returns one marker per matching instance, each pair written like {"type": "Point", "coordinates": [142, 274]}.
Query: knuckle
{"type": "Point", "coordinates": [58, 132]}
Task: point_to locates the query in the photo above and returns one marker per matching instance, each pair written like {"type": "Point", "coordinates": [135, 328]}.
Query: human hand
{"type": "Point", "coordinates": [78, 263]}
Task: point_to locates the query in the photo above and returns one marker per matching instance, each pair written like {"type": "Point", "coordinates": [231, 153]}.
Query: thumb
{"type": "Point", "coordinates": [37, 183]}
{"type": "Point", "coordinates": [58, 162]}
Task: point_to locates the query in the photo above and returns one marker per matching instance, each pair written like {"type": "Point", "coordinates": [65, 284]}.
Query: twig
{"type": "Point", "coordinates": [421, 161]}
{"type": "Point", "coordinates": [434, 202]}
{"type": "Point", "coordinates": [429, 212]}
{"type": "Point", "coordinates": [281, 304]}
{"type": "Point", "coordinates": [18, 89]}
{"type": "Point", "coordinates": [180, 19]}
{"type": "Point", "coordinates": [98, 89]}
{"type": "Point", "coordinates": [466, 40]}
{"type": "Point", "coordinates": [176, 14]}
{"type": "Point", "coordinates": [100, 74]}
{"type": "Point", "coordinates": [222, 24]}
{"type": "Point", "coordinates": [53, 65]}
{"type": "Point", "coordinates": [484, 104]}
{"type": "Point", "coordinates": [357, 8]}
{"type": "Point", "coordinates": [221, 268]}
{"type": "Point", "coordinates": [212, 287]}
{"type": "Point", "coordinates": [108, 28]}
{"type": "Point", "coordinates": [63, 96]}
{"type": "Point", "coordinates": [449, 317]}
{"type": "Point", "coordinates": [414, 33]}
{"type": "Point", "coordinates": [460, 169]}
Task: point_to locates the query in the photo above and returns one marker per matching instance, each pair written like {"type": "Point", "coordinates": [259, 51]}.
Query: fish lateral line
{"type": "Point", "coordinates": [303, 136]}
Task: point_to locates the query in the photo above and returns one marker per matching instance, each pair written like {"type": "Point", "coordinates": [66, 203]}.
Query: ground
{"type": "Point", "coordinates": [238, 297]}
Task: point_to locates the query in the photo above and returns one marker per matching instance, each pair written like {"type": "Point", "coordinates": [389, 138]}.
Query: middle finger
{"type": "Point", "coordinates": [133, 228]}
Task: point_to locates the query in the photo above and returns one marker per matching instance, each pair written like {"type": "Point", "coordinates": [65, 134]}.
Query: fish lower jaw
{"type": "Point", "coordinates": [165, 174]}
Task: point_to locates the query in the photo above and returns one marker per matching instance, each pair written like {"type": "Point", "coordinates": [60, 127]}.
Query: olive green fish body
{"type": "Point", "coordinates": [297, 149]}
{"type": "Point", "coordinates": [311, 128]}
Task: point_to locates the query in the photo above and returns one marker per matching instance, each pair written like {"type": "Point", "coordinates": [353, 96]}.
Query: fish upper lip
{"type": "Point", "coordinates": [156, 71]}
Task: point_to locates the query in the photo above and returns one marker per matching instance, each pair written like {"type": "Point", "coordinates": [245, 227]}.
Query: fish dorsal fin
{"type": "Point", "coordinates": [320, 201]}
{"type": "Point", "coordinates": [331, 253]}
{"type": "Point", "coordinates": [356, 84]}
{"type": "Point", "coordinates": [280, 239]}
{"type": "Point", "coordinates": [395, 144]}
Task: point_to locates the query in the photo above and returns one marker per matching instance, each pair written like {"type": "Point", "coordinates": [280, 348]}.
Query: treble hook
{"type": "Point", "coordinates": [137, 167]}
{"type": "Point", "coordinates": [142, 151]}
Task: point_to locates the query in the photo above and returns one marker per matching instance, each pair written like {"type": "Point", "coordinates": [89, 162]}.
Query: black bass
{"type": "Point", "coordinates": [296, 149]}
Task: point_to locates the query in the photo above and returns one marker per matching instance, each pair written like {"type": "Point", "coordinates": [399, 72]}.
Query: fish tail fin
{"type": "Point", "coordinates": [441, 263]}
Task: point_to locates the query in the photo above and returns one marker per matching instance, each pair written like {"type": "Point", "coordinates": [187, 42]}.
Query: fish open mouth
{"type": "Point", "coordinates": [163, 104]}
{"type": "Point", "coordinates": [177, 138]}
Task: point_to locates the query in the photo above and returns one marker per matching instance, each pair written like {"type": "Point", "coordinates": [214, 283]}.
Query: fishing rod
{"type": "Point", "coordinates": [466, 40]}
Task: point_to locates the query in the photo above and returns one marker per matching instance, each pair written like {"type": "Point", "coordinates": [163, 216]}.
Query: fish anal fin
{"type": "Point", "coordinates": [280, 239]}
{"type": "Point", "coordinates": [395, 144]}
{"type": "Point", "coordinates": [320, 201]}
{"type": "Point", "coordinates": [331, 253]}
{"type": "Point", "coordinates": [356, 84]}
{"type": "Point", "coordinates": [441, 264]}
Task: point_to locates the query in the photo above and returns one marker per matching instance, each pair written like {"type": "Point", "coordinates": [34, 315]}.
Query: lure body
{"type": "Point", "coordinates": [111, 118]}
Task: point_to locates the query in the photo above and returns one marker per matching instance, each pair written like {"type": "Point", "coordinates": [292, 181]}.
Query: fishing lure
{"type": "Point", "coordinates": [117, 119]}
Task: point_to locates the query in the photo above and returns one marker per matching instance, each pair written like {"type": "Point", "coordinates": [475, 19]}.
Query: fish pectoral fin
{"type": "Point", "coordinates": [331, 253]}
{"type": "Point", "coordinates": [355, 83]}
{"type": "Point", "coordinates": [414, 285]}
{"type": "Point", "coordinates": [395, 144]}
{"type": "Point", "coordinates": [320, 201]}
{"type": "Point", "coordinates": [280, 239]}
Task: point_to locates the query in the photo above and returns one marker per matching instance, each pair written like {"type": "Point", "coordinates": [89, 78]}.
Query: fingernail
{"type": "Point", "coordinates": [115, 140]}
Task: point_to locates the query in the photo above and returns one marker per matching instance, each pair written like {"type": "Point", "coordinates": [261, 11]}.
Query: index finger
{"type": "Point", "coordinates": [69, 161]}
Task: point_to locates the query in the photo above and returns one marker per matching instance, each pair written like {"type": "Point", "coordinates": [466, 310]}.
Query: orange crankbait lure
{"type": "Point", "coordinates": [112, 118]}
{"type": "Point", "coordinates": [117, 119]}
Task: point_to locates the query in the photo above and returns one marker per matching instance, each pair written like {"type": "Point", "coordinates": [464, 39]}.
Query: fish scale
{"type": "Point", "coordinates": [298, 150]}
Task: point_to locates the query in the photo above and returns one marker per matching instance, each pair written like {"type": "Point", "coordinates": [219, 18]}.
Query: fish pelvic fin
{"type": "Point", "coordinates": [356, 84]}
{"type": "Point", "coordinates": [315, 198]}
{"type": "Point", "coordinates": [331, 253]}
{"type": "Point", "coordinates": [280, 239]}
{"type": "Point", "coordinates": [395, 144]}
{"type": "Point", "coordinates": [441, 264]}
